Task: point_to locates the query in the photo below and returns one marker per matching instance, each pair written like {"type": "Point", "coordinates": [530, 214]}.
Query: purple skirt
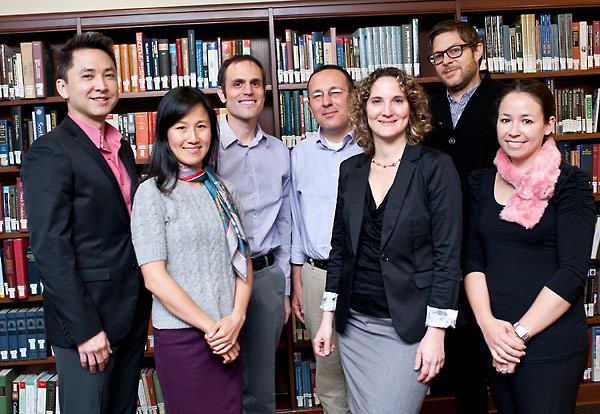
{"type": "Point", "coordinates": [192, 378]}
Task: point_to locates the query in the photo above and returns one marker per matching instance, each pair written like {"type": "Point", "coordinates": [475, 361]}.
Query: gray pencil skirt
{"type": "Point", "coordinates": [378, 364]}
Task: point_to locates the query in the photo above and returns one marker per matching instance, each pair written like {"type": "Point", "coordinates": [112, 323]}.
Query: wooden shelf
{"type": "Point", "coordinates": [28, 362]}
{"type": "Point", "coordinates": [550, 74]}
{"type": "Point", "coordinates": [575, 137]}
{"type": "Point", "coordinates": [11, 169]}
{"type": "Point", "coordinates": [30, 299]}
{"type": "Point", "coordinates": [13, 235]}
{"type": "Point", "coordinates": [594, 320]}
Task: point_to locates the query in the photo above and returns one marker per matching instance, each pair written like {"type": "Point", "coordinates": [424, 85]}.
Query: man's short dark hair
{"type": "Point", "coordinates": [349, 81]}
{"type": "Point", "coordinates": [87, 40]}
{"type": "Point", "coordinates": [467, 33]}
{"type": "Point", "coordinates": [236, 59]}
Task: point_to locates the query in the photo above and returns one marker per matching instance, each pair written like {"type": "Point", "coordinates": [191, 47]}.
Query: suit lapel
{"type": "Point", "coordinates": [397, 193]}
{"type": "Point", "coordinates": [85, 143]}
{"type": "Point", "coordinates": [358, 182]}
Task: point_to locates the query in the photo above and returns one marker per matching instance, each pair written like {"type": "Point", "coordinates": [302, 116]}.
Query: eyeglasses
{"type": "Point", "coordinates": [332, 93]}
{"type": "Point", "coordinates": [453, 52]}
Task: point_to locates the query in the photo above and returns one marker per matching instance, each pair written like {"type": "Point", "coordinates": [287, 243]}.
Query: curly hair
{"type": "Point", "coordinates": [418, 121]}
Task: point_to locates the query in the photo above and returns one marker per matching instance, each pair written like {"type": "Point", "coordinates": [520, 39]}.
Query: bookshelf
{"type": "Point", "coordinates": [262, 23]}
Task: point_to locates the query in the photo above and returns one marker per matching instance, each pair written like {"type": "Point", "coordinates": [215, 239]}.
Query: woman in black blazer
{"type": "Point", "coordinates": [394, 266]}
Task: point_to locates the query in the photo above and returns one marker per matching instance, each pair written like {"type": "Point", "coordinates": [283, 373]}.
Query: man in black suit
{"type": "Point", "coordinates": [464, 126]}
{"type": "Point", "coordinates": [77, 183]}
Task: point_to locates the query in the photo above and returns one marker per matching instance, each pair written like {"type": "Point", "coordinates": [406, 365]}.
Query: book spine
{"type": "Point", "coordinates": [164, 63]}
{"type": "Point", "coordinates": [141, 60]}
{"type": "Point", "coordinates": [148, 65]}
{"type": "Point", "coordinates": [192, 58]}
{"type": "Point", "coordinates": [133, 67]}
{"type": "Point", "coordinates": [125, 69]}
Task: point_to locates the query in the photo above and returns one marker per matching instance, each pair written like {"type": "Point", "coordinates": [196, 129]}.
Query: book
{"type": "Point", "coordinates": [117, 54]}
{"type": "Point", "coordinates": [133, 67]}
{"type": "Point", "coordinates": [9, 268]}
{"type": "Point", "coordinates": [28, 76]}
{"type": "Point", "coordinates": [125, 68]}
{"type": "Point", "coordinates": [7, 376]}
{"type": "Point", "coordinates": [42, 69]}
{"type": "Point", "coordinates": [142, 60]}
{"type": "Point", "coordinates": [20, 261]}
{"type": "Point", "coordinates": [164, 65]}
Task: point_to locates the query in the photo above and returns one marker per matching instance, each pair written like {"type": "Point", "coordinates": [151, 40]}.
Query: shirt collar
{"type": "Point", "coordinates": [228, 137]}
{"type": "Point", "coordinates": [349, 137]}
{"type": "Point", "coordinates": [112, 135]}
{"type": "Point", "coordinates": [467, 95]}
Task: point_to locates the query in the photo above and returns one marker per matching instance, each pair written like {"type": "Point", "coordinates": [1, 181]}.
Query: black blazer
{"type": "Point", "coordinates": [80, 234]}
{"type": "Point", "coordinates": [420, 238]}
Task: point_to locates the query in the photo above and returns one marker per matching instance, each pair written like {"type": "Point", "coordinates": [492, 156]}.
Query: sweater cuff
{"type": "Point", "coordinates": [441, 318]}
{"type": "Point", "coordinates": [329, 301]}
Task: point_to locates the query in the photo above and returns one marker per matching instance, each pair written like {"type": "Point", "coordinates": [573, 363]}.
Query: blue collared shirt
{"type": "Point", "coordinates": [315, 171]}
{"type": "Point", "coordinates": [261, 175]}
{"type": "Point", "coordinates": [457, 108]}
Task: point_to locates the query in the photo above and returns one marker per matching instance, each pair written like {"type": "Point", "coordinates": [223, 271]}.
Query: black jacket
{"type": "Point", "coordinates": [80, 234]}
{"type": "Point", "coordinates": [473, 143]}
{"type": "Point", "coordinates": [420, 238]}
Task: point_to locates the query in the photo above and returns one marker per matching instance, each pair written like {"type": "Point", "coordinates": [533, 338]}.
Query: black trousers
{"type": "Point", "coordinates": [549, 388]}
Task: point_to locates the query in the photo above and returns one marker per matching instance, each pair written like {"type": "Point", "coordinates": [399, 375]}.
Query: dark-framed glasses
{"type": "Point", "coordinates": [332, 93]}
{"type": "Point", "coordinates": [453, 52]}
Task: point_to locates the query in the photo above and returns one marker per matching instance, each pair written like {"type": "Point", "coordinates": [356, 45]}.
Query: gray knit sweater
{"type": "Point", "coordinates": [185, 229]}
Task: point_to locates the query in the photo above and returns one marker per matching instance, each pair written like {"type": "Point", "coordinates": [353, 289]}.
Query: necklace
{"type": "Point", "coordinates": [385, 165]}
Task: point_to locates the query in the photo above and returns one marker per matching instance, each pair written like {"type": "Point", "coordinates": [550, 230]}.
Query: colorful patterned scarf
{"type": "Point", "coordinates": [234, 232]}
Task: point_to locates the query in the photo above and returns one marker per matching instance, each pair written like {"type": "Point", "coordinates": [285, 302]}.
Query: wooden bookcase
{"type": "Point", "coordinates": [262, 23]}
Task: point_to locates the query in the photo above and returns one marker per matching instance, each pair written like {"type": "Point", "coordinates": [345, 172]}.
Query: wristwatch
{"type": "Point", "coordinates": [521, 331]}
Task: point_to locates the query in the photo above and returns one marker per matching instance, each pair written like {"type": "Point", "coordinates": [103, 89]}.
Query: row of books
{"type": "Point", "coordinates": [305, 371]}
{"type": "Point", "coordinates": [28, 393]}
{"type": "Point", "coordinates": [295, 116]}
{"type": "Point", "coordinates": [19, 277]}
{"type": "Point", "coordinates": [12, 208]}
{"type": "Point", "coordinates": [591, 291]}
{"type": "Point", "coordinates": [150, 398]}
{"type": "Point", "coordinates": [155, 64]}
{"type": "Point", "coordinates": [38, 393]}
{"type": "Point", "coordinates": [23, 127]}
{"type": "Point", "coordinates": [540, 43]}
{"type": "Point", "coordinates": [576, 110]}
{"type": "Point", "coordinates": [22, 334]}
{"type": "Point", "coordinates": [584, 156]}
{"type": "Point", "coordinates": [299, 331]}
{"type": "Point", "coordinates": [26, 74]}
{"type": "Point", "coordinates": [367, 49]}
{"type": "Point", "coordinates": [592, 372]}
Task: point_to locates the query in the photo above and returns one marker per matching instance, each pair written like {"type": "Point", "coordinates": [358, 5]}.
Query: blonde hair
{"type": "Point", "coordinates": [418, 121]}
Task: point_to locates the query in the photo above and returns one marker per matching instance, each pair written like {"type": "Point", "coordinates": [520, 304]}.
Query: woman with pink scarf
{"type": "Point", "coordinates": [529, 237]}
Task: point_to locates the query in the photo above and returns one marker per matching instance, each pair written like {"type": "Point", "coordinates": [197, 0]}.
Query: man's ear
{"type": "Point", "coordinates": [221, 94]}
{"type": "Point", "coordinates": [61, 88]}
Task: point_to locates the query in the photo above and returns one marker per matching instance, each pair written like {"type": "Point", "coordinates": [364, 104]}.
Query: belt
{"type": "Point", "coordinates": [260, 262]}
{"type": "Point", "coordinates": [321, 264]}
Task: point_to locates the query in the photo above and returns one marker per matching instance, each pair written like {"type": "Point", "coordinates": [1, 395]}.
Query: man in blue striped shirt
{"type": "Point", "coordinates": [315, 167]}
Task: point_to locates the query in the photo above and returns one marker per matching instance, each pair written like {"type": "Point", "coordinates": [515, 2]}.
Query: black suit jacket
{"type": "Point", "coordinates": [473, 143]}
{"type": "Point", "coordinates": [80, 234]}
{"type": "Point", "coordinates": [420, 238]}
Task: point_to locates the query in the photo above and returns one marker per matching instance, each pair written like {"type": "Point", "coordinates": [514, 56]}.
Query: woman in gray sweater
{"type": "Point", "coordinates": [190, 243]}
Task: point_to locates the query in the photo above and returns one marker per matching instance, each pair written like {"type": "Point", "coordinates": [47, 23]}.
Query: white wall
{"type": "Point", "coordinates": [12, 7]}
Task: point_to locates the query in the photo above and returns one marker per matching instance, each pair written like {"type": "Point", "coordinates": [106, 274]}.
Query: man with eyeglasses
{"type": "Point", "coordinates": [463, 119]}
{"type": "Point", "coordinates": [314, 169]}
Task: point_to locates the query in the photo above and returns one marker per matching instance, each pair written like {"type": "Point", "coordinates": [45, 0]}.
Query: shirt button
{"type": "Point", "coordinates": [451, 140]}
{"type": "Point", "coordinates": [384, 257]}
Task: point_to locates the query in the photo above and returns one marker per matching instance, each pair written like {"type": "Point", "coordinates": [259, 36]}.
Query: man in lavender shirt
{"type": "Point", "coordinates": [259, 167]}
{"type": "Point", "coordinates": [315, 166]}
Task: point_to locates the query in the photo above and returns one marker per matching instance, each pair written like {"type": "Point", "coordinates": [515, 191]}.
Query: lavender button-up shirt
{"type": "Point", "coordinates": [261, 175]}
{"type": "Point", "coordinates": [315, 171]}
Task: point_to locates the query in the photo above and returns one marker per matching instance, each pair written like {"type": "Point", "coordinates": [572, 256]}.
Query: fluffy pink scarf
{"type": "Point", "coordinates": [533, 189]}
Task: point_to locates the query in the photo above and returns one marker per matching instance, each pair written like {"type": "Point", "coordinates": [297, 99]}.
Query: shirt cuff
{"type": "Point", "coordinates": [329, 301]}
{"type": "Point", "coordinates": [441, 318]}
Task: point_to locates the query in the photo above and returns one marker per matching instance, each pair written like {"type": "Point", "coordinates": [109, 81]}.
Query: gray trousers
{"type": "Point", "coordinates": [113, 391]}
{"type": "Point", "coordinates": [330, 381]}
{"type": "Point", "coordinates": [261, 333]}
{"type": "Point", "coordinates": [379, 368]}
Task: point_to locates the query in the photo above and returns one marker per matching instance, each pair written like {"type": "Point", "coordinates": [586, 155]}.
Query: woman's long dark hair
{"type": "Point", "coordinates": [174, 106]}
